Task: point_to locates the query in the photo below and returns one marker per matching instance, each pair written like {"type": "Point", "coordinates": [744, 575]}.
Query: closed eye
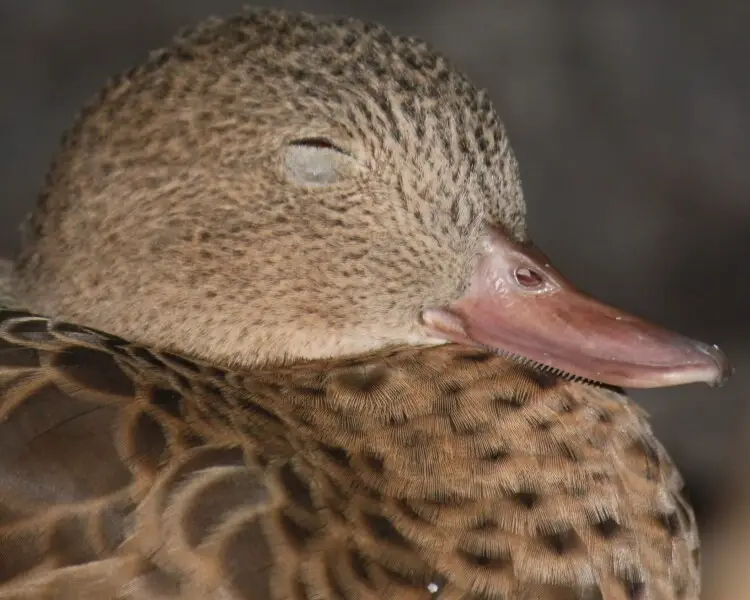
{"type": "Point", "coordinates": [317, 161]}
{"type": "Point", "coordinates": [317, 142]}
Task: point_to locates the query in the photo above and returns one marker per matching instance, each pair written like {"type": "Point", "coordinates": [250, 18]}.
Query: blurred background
{"type": "Point", "coordinates": [631, 119]}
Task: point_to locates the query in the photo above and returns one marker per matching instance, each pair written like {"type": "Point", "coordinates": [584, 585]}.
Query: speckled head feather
{"type": "Point", "coordinates": [179, 167]}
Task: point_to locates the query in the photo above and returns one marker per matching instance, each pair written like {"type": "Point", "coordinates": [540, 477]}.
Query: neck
{"type": "Point", "coordinates": [443, 460]}
{"type": "Point", "coordinates": [432, 423]}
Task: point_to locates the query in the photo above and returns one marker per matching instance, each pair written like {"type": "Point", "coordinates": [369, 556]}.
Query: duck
{"type": "Point", "coordinates": [278, 331]}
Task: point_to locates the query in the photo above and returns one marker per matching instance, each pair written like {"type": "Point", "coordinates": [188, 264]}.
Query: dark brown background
{"type": "Point", "coordinates": [631, 121]}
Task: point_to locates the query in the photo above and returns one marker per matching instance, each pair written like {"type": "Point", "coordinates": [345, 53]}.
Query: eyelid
{"type": "Point", "coordinates": [318, 142]}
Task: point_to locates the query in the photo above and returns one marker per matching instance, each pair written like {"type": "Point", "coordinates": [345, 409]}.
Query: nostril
{"type": "Point", "coordinates": [528, 278]}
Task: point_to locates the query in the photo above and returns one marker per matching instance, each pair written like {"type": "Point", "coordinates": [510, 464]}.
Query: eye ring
{"type": "Point", "coordinates": [528, 278]}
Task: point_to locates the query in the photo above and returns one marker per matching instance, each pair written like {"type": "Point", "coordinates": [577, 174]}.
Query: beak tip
{"type": "Point", "coordinates": [724, 368]}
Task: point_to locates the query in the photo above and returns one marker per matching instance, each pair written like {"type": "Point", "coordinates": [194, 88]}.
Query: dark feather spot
{"type": "Point", "coordinates": [447, 402]}
{"type": "Point", "coordinates": [440, 500]}
{"type": "Point", "coordinates": [496, 455]}
{"type": "Point", "coordinates": [634, 588]}
{"type": "Point", "coordinates": [485, 525]}
{"type": "Point", "coordinates": [145, 356]}
{"type": "Point", "coordinates": [218, 374]}
{"type": "Point", "coordinates": [508, 403]}
{"type": "Point", "coordinates": [9, 315]}
{"type": "Point", "coordinates": [18, 356]}
{"type": "Point", "coordinates": [409, 511]}
{"type": "Point", "coordinates": [608, 528]}
{"type": "Point", "coordinates": [365, 378]}
{"type": "Point", "coordinates": [209, 390]}
{"type": "Point", "coordinates": [31, 330]}
{"type": "Point", "coordinates": [181, 361]}
{"type": "Point", "coordinates": [375, 463]}
{"type": "Point", "coordinates": [452, 389]}
{"type": "Point", "coordinates": [411, 579]}
{"type": "Point", "coordinates": [563, 542]}
{"type": "Point", "coordinates": [216, 414]}
{"type": "Point", "coordinates": [526, 499]}
{"type": "Point", "coordinates": [420, 439]}
{"type": "Point", "coordinates": [671, 523]}
{"type": "Point", "coordinates": [167, 400]}
{"type": "Point", "coordinates": [373, 494]}
{"type": "Point", "coordinates": [397, 420]}
{"type": "Point", "coordinates": [297, 489]}
{"type": "Point", "coordinates": [486, 560]}
{"type": "Point", "coordinates": [336, 498]}
{"type": "Point", "coordinates": [336, 454]}
{"type": "Point", "coordinates": [359, 567]}
{"type": "Point", "coordinates": [257, 410]}
{"type": "Point", "coordinates": [306, 420]}
{"type": "Point", "coordinates": [115, 344]}
{"type": "Point", "coordinates": [149, 441]}
{"type": "Point", "coordinates": [95, 370]}
{"type": "Point", "coordinates": [297, 534]}
{"type": "Point", "coordinates": [544, 379]}
{"type": "Point", "coordinates": [476, 357]}
{"type": "Point", "coordinates": [381, 528]}
{"type": "Point", "coordinates": [313, 392]}
{"type": "Point", "coordinates": [647, 454]}
{"type": "Point", "coordinates": [459, 427]}
{"type": "Point", "coordinates": [566, 450]}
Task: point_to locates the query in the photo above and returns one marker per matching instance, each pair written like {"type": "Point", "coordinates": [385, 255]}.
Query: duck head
{"type": "Point", "coordinates": [277, 187]}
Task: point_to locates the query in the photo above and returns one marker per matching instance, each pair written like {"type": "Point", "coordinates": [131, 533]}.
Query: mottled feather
{"type": "Point", "coordinates": [132, 473]}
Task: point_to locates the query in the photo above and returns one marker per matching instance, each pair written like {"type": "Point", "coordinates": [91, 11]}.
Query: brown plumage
{"type": "Point", "coordinates": [257, 218]}
{"type": "Point", "coordinates": [383, 476]}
